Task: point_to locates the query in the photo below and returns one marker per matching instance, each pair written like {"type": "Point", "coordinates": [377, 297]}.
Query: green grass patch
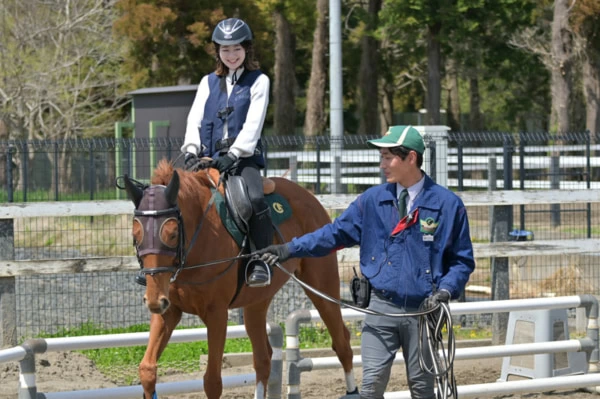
{"type": "Point", "coordinates": [184, 357]}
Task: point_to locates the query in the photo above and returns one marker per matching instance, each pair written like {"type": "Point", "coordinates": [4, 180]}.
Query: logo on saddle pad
{"type": "Point", "coordinates": [278, 207]}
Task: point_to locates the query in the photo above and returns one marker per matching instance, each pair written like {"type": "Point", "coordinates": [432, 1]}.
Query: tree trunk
{"type": "Point", "coordinates": [591, 90]}
{"type": "Point", "coordinates": [475, 121]}
{"type": "Point", "coordinates": [367, 75]}
{"type": "Point", "coordinates": [285, 80]}
{"type": "Point", "coordinates": [386, 117]}
{"type": "Point", "coordinates": [434, 85]}
{"type": "Point", "coordinates": [561, 67]}
{"type": "Point", "coordinates": [453, 108]}
{"type": "Point", "coordinates": [315, 120]}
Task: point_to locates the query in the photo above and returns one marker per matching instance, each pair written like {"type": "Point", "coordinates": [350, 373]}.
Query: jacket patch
{"type": "Point", "coordinates": [428, 226]}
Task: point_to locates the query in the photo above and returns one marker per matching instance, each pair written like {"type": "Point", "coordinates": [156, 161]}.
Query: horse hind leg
{"type": "Point", "coordinates": [161, 328]}
{"type": "Point", "coordinates": [325, 278]}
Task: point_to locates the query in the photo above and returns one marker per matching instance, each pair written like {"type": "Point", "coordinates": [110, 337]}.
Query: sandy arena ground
{"type": "Point", "coordinates": [73, 371]}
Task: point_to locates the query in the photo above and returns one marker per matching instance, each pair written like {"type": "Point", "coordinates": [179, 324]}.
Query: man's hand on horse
{"type": "Point", "coordinates": [224, 162]}
{"type": "Point", "coordinates": [274, 253]}
{"type": "Point", "coordinates": [435, 299]}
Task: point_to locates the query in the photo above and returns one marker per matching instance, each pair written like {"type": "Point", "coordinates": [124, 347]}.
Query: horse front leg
{"type": "Point", "coordinates": [161, 328]}
{"type": "Point", "coordinates": [216, 326]}
{"type": "Point", "coordinates": [255, 320]}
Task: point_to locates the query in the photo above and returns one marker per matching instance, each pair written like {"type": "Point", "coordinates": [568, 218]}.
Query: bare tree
{"type": "Point", "coordinates": [59, 68]}
{"type": "Point", "coordinates": [553, 43]}
{"type": "Point", "coordinates": [315, 119]}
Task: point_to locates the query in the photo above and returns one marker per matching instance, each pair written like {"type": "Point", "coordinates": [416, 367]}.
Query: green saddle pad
{"type": "Point", "coordinates": [280, 212]}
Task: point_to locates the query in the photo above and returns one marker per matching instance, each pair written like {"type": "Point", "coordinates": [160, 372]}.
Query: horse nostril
{"type": "Point", "coordinates": [164, 303]}
{"type": "Point", "coordinates": [144, 300]}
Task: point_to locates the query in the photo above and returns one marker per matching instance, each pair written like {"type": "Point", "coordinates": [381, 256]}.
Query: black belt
{"type": "Point", "coordinates": [225, 143]}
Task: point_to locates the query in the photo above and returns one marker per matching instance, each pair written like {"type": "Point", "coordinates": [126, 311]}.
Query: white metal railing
{"type": "Point", "coordinates": [25, 354]}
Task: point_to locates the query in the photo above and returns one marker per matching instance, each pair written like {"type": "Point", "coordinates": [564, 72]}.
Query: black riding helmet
{"type": "Point", "coordinates": [231, 31]}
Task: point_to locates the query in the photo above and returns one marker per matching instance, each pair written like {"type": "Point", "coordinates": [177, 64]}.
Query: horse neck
{"type": "Point", "coordinates": [203, 214]}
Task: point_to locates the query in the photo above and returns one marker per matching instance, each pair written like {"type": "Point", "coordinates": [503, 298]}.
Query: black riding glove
{"type": "Point", "coordinates": [441, 296]}
{"type": "Point", "coordinates": [192, 162]}
{"type": "Point", "coordinates": [274, 253]}
{"type": "Point", "coordinates": [224, 162]}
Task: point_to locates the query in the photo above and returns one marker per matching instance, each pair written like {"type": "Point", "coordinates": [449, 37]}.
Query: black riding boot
{"type": "Point", "coordinates": [261, 231]}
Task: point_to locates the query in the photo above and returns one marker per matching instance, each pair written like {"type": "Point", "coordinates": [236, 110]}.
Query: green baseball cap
{"type": "Point", "coordinates": [405, 136]}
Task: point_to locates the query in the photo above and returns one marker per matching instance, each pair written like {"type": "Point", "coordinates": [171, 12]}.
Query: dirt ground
{"type": "Point", "coordinates": [73, 371]}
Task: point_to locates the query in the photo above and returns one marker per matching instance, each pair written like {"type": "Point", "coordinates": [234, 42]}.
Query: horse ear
{"type": "Point", "coordinates": [172, 189]}
{"type": "Point", "coordinates": [134, 193]}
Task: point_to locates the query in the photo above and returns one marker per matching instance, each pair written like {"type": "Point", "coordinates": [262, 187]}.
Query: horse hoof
{"type": "Point", "coordinates": [351, 395]}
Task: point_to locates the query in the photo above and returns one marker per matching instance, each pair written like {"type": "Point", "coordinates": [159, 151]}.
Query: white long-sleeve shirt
{"type": "Point", "coordinates": [246, 141]}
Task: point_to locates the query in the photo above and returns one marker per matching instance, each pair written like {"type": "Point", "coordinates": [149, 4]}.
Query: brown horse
{"type": "Point", "coordinates": [180, 201]}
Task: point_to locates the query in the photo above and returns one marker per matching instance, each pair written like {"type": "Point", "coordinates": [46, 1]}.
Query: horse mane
{"type": "Point", "coordinates": [191, 184]}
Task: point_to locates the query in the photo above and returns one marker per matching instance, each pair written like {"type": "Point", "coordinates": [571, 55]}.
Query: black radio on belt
{"type": "Point", "coordinates": [360, 289]}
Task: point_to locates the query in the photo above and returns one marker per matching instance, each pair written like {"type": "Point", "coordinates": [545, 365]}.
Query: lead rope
{"type": "Point", "coordinates": [441, 358]}
{"type": "Point", "coordinates": [432, 324]}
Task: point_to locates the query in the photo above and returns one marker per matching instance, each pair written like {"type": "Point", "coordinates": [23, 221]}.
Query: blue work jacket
{"type": "Point", "coordinates": [430, 250]}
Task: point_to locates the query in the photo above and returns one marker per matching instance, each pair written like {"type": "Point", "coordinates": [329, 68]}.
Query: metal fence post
{"type": "Point", "coordinates": [522, 173]}
{"type": "Point", "coordinates": [8, 302]}
{"type": "Point", "coordinates": [555, 185]}
{"type": "Point", "coordinates": [25, 171]}
{"type": "Point", "coordinates": [9, 175]}
{"type": "Point", "coordinates": [92, 175]}
{"type": "Point", "coordinates": [294, 168]}
{"type": "Point", "coordinates": [433, 162]}
{"type": "Point", "coordinates": [56, 171]}
{"type": "Point", "coordinates": [266, 156]}
{"type": "Point", "coordinates": [460, 172]}
{"type": "Point", "coordinates": [502, 219]}
{"type": "Point", "coordinates": [318, 166]}
{"type": "Point", "coordinates": [588, 181]}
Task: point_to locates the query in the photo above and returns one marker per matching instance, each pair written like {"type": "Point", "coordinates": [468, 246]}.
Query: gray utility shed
{"type": "Point", "coordinates": [156, 113]}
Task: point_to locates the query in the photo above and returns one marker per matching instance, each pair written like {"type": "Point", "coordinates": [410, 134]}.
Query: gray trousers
{"type": "Point", "coordinates": [381, 338]}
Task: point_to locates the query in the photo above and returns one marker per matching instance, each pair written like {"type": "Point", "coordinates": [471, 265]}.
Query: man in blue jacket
{"type": "Point", "coordinates": [415, 247]}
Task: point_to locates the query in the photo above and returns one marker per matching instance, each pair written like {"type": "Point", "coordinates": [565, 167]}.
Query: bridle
{"type": "Point", "coordinates": [149, 219]}
{"type": "Point", "coordinates": [152, 221]}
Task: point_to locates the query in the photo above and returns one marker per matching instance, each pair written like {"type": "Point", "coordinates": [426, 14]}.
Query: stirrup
{"type": "Point", "coordinates": [252, 265]}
